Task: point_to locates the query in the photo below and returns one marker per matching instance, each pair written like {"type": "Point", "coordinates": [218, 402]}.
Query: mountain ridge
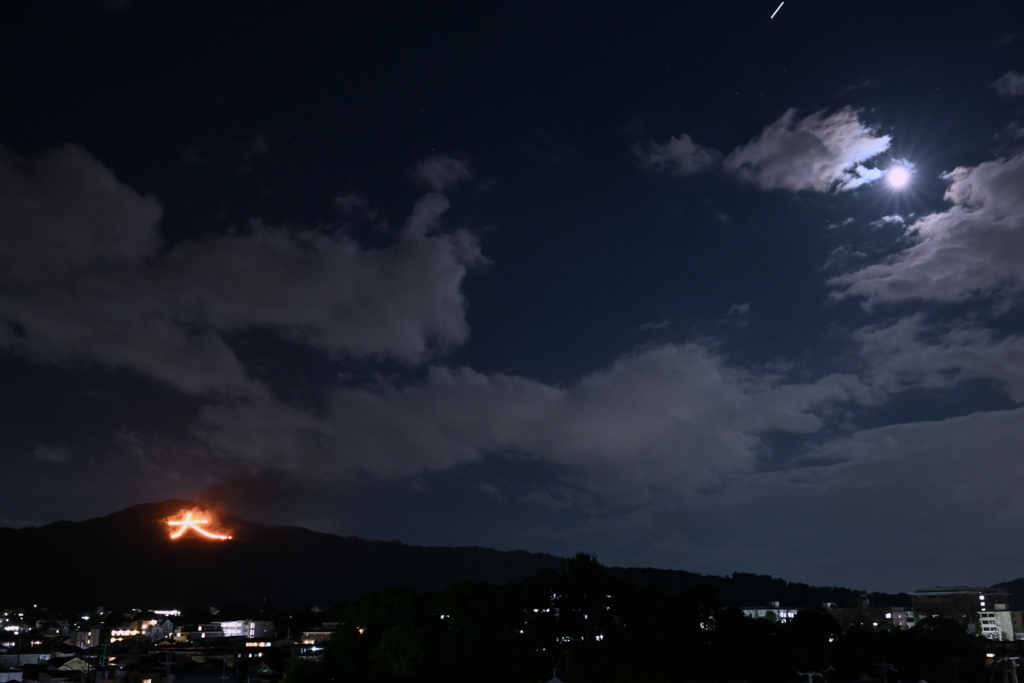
{"type": "Point", "coordinates": [126, 559]}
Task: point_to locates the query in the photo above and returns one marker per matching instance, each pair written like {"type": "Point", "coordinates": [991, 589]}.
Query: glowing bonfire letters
{"type": "Point", "coordinates": [189, 523]}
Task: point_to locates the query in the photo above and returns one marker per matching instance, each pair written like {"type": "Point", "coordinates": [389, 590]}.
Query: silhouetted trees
{"type": "Point", "coordinates": [587, 623]}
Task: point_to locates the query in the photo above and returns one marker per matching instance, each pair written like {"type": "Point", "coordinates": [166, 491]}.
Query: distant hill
{"type": "Point", "coordinates": [126, 560]}
{"type": "Point", "coordinates": [1016, 590]}
{"type": "Point", "coordinates": [757, 590]}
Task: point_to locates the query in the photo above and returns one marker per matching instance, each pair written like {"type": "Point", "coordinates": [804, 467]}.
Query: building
{"type": "Point", "coordinates": [84, 639]}
{"type": "Point", "coordinates": [259, 629]}
{"type": "Point", "coordinates": [772, 612]}
{"type": "Point", "coordinates": [8, 674]}
{"type": "Point", "coordinates": [250, 628]}
{"type": "Point", "coordinates": [204, 631]}
{"type": "Point", "coordinates": [961, 603]}
{"type": "Point", "coordinates": [317, 635]}
{"type": "Point", "coordinates": [860, 611]}
{"type": "Point", "coordinates": [999, 623]}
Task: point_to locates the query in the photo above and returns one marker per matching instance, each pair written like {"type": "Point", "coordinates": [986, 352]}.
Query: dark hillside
{"type": "Point", "coordinates": [126, 560]}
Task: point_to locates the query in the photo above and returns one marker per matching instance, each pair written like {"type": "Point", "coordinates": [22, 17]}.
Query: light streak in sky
{"type": "Point", "coordinates": [777, 10]}
{"type": "Point", "coordinates": [189, 523]}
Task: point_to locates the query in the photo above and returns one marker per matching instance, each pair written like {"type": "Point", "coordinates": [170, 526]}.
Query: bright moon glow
{"type": "Point", "coordinates": [189, 523]}
{"type": "Point", "coordinates": [899, 176]}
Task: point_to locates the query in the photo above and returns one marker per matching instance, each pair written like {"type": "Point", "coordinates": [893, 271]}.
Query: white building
{"type": "Point", "coordinates": [250, 628]}
{"type": "Point", "coordinates": [772, 612]}
{"type": "Point", "coordinates": [996, 623]}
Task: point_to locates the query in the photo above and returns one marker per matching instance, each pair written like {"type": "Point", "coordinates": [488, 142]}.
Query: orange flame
{"type": "Point", "coordinates": [193, 523]}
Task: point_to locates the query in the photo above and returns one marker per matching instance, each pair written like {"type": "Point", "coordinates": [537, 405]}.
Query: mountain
{"type": "Point", "coordinates": [757, 590]}
{"type": "Point", "coordinates": [1016, 590]}
{"type": "Point", "coordinates": [127, 559]}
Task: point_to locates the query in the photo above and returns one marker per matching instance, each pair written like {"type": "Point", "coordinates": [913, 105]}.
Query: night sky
{"type": "Point", "coordinates": [627, 278]}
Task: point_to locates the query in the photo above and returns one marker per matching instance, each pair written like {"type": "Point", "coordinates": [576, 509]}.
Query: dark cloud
{"type": "Point", "coordinates": [85, 275]}
{"type": "Point", "coordinates": [913, 353]}
{"type": "Point", "coordinates": [670, 418]}
{"type": "Point", "coordinates": [679, 156]}
{"type": "Point", "coordinates": [355, 204]}
{"type": "Point", "coordinates": [55, 454]}
{"type": "Point", "coordinates": [258, 494]}
{"type": "Point", "coordinates": [441, 172]}
{"type": "Point", "coordinates": [193, 156]}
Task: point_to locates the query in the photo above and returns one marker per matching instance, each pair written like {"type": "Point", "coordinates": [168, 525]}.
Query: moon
{"type": "Point", "coordinates": [898, 176]}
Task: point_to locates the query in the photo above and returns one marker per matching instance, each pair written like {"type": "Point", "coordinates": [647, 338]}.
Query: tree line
{"type": "Point", "coordinates": [588, 625]}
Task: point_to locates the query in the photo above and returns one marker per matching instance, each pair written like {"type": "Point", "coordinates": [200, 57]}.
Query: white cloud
{"type": "Point", "coordinates": [738, 310]}
{"type": "Point", "coordinates": [84, 276]}
{"type": "Point", "coordinates": [1010, 84]}
{"type": "Point", "coordinates": [672, 418]}
{"type": "Point", "coordinates": [820, 153]}
{"type": "Point", "coordinates": [440, 172]}
{"type": "Point", "coordinates": [817, 153]}
{"type": "Point", "coordinates": [975, 248]}
{"type": "Point", "coordinates": [654, 326]}
{"type": "Point", "coordinates": [891, 219]}
{"type": "Point", "coordinates": [680, 156]}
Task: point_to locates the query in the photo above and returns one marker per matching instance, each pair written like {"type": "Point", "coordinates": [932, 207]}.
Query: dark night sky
{"type": "Point", "coordinates": [555, 276]}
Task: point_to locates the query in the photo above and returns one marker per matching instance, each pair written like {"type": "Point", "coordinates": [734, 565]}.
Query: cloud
{"type": "Point", "coordinates": [55, 454]}
{"type": "Point", "coordinates": [1010, 84]}
{"type": "Point", "coordinates": [193, 156]}
{"type": "Point", "coordinates": [85, 275]}
{"type": "Point", "coordinates": [973, 249]}
{"type": "Point", "coordinates": [738, 310]}
{"type": "Point", "coordinates": [891, 219]}
{"type": "Point", "coordinates": [679, 156]}
{"type": "Point", "coordinates": [817, 153]}
{"type": "Point", "coordinates": [355, 204]}
{"type": "Point", "coordinates": [894, 503]}
{"type": "Point", "coordinates": [820, 153]}
{"type": "Point", "coordinates": [932, 455]}
{"type": "Point", "coordinates": [672, 418]}
{"type": "Point", "coordinates": [260, 492]}
{"type": "Point", "coordinates": [913, 353]}
{"type": "Point", "coordinates": [440, 172]}
{"type": "Point", "coordinates": [257, 148]}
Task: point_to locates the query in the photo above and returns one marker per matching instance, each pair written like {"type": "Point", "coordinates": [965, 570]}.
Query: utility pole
{"type": "Point", "coordinates": [1013, 667]}
{"type": "Point", "coordinates": [810, 675]}
{"type": "Point", "coordinates": [885, 666]}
